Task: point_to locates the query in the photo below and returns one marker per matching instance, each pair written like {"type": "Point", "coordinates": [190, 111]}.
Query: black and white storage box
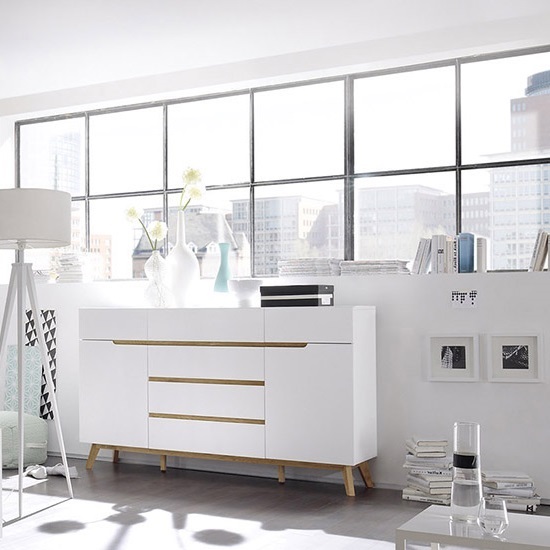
{"type": "Point", "coordinates": [297, 295]}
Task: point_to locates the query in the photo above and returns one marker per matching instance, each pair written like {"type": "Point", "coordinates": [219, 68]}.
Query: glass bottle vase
{"type": "Point", "coordinates": [157, 293]}
{"type": "Point", "coordinates": [466, 491]}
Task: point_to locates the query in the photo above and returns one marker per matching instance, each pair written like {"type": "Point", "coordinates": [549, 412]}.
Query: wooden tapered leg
{"type": "Point", "coordinates": [364, 470]}
{"type": "Point", "coordinates": [94, 450]}
{"type": "Point", "coordinates": [116, 456]}
{"type": "Point", "coordinates": [163, 463]}
{"type": "Point", "coordinates": [348, 481]}
{"type": "Point", "coordinates": [281, 474]}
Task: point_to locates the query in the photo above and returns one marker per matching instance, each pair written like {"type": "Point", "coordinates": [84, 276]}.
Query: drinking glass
{"type": "Point", "coordinates": [493, 516]}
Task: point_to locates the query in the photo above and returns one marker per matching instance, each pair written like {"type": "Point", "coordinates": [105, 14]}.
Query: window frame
{"type": "Point", "coordinates": [349, 176]}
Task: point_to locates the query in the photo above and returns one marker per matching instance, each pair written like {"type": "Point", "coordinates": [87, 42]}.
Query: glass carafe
{"type": "Point", "coordinates": [466, 487]}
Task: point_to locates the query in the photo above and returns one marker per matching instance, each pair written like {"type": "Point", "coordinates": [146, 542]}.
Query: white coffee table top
{"type": "Point", "coordinates": [434, 525]}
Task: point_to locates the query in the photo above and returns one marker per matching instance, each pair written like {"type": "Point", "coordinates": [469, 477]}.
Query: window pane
{"type": "Point", "coordinates": [211, 136]}
{"type": "Point", "coordinates": [121, 245]}
{"type": "Point", "coordinates": [506, 108]}
{"type": "Point", "coordinates": [392, 213]}
{"type": "Point", "coordinates": [52, 155]}
{"type": "Point", "coordinates": [297, 221]}
{"type": "Point", "coordinates": [508, 205]}
{"type": "Point", "coordinates": [299, 132]}
{"type": "Point", "coordinates": [405, 120]}
{"type": "Point", "coordinates": [126, 151]}
{"type": "Point", "coordinates": [220, 216]}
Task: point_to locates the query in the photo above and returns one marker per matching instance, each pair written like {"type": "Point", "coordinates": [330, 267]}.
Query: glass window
{"type": "Point", "coordinates": [382, 226]}
{"type": "Point", "coordinates": [506, 108]}
{"type": "Point", "coordinates": [52, 155]}
{"type": "Point", "coordinates": [299, 132]}
{"type": "Point", "coordinates": [119, 248]}
{"type": "Point", "coordinates": [405, 120]}
{"type": "Point", "coordinates": [301, 220]}
{"type": "Point", "coordinates": [513, 214]}
{"type": "Point", "coordinates": [211, 136]}
{"type": "Point", "coordinates": [126, 151]}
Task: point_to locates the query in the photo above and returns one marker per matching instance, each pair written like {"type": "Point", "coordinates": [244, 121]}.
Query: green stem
{"type": "Point", "coordinates": [153, 247]}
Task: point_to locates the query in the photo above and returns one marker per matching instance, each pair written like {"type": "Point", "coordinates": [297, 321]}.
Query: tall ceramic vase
{"type": "Point", "coordinates": [183, 266]}
{"type": "Point", "coordinates": [224, 273]}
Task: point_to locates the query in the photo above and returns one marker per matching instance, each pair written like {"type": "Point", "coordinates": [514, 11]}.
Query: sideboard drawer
{"type": "Point", "coordinates": [309, 324]}
{"type": "Point", "coordinates": [113, 324]}
{"type": "Point", "coordinates": [206, 437]}
{"type": "Point", "coordinates": [227, 363]}
{"type": "Point", "coordinates": [212, 325]}
{"type": "Point", "coordinates": [220, 400]}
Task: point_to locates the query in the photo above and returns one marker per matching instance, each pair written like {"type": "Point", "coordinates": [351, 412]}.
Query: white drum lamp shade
{"type": "Point", "coordinates": [34, 218]}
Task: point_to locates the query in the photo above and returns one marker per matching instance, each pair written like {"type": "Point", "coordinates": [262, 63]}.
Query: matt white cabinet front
{"type": "Point", "coordinates": [113, 394]}
{"type": "Point", "coordinates": [309, 403]}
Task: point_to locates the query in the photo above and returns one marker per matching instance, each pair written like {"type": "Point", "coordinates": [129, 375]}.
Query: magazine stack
{"type": "Point", "coordinates": [429, 476]}
{"type": "Point", "coordinates": [516, 488]}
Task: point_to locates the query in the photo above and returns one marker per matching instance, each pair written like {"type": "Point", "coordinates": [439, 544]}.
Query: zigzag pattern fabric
{"type": "Point", "coordinates": [49, 326]}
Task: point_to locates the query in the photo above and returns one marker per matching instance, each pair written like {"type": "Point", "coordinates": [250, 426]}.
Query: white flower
{"type": "Point", "coordinates": [157, 231]}
{"type": "Point", "coordinates": [134, 214]}
{"type": "Point", "coordinates": [192, 187]}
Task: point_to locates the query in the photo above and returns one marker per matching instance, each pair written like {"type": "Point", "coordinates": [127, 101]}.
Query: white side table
{"type": "Point", "coordinates": [433, 525]}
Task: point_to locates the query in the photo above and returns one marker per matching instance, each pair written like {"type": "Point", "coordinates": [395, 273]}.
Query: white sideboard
{"type": "Point", "coordinates": [283, 386]}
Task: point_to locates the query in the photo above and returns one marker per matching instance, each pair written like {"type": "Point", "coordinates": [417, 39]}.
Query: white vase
{"type": "Point", "coordinates": [183, 266]}
{"type": "Point", "coordinates": [157, 293]}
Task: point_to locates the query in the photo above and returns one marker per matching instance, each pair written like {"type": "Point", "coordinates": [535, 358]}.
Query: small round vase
{"type": "Point", "coordinates": [224, 273]}
{"type": "Point", "coordinates": [157, 293]}
{"type": "Point", "coordinates": [183, 266]}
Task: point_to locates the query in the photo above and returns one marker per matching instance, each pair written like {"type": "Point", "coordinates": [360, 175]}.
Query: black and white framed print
{"type": "Point", "coordinates": [453, 358]}
{"type": "Point", "coordinates": [515, 358]}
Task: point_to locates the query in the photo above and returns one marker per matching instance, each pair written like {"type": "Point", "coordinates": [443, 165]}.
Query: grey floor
{"type": "Point", "coordinates": [129, 506]}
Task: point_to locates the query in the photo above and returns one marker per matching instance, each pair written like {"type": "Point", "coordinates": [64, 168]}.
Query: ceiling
{"type": "Point", "coordinates": [65, 44]}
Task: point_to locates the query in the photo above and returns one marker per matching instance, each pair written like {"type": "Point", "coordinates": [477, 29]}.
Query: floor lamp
{"type": "Point", "coordinates": [31, 218]}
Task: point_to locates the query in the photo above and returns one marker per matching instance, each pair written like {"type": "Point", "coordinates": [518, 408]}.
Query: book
{"type": "Point", "coordinates": [428, 452]}
{"type": "Point", "coordinates": [427, 462]}
{"type": "Point", "coordinates": [424, 442]}
{"type": "Point", "coordinates": [511, 491]}
{"type": "Point", "coordinates": [481, 255]}
{"type": "Point", "coordinates": [540, 251]}
{"type": "Point", "coordinates": [431, 490]}
{"type": "Point", "coordinates": [409, 493]}
{"type": "Point", "coordinates": [419, 263]}
{"type": "Point", "coordinates": [465, 253]}
{"type": "Point", "coordinates": [507, 484]}
{"type": "Point", "coordinates": [505, 475]}
{"type": "Point", "coordinates": [439, 244]}
{"type": "Point", "coordinates": [443, 477]}
{"type": "Point", "coordinates": [426, 257]}
{"type": "Point", "coordinates": [421, 481]}
{"type": "Point", "coordinates": [429, 471]}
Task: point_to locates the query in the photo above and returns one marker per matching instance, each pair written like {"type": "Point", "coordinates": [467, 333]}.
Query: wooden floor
{"type": "Point", "coordinates": [128, 506]}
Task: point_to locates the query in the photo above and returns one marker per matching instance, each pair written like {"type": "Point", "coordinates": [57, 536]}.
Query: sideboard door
{"type": "Point", "coordinates": [113, 394]}
{"type": "Point", "coordinates": [309, 403]}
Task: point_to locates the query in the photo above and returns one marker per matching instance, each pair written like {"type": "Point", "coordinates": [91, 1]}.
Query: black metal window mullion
{"type": "Point", "coordinates": [252, 176]}
{"type": "Point", "coordinates": [458, 147]}
{"type": "Point", "coordinates": [349, 169]}
{"type": "Point", "coordinates": [87, 181]}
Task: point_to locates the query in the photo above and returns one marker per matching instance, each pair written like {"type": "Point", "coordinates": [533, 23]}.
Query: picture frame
{"type": "Point", "coordinates": [515, 358]}
{"type": "Point", "coordinates": [453, 358]}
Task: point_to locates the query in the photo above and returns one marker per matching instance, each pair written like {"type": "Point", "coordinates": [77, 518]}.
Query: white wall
{"type": "Point", "coordinates": [513, 416]}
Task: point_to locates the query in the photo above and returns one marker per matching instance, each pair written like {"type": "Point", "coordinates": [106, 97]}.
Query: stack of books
{"type": "Point", "coordinates": [368, 267]}
{"type": "Point", "coordinates": [309, 266]}
{"type": "Point", "coordinates": [516, 488]}
{"type": "Point", "coordinates": [69, 268]}
{"type": "Point", "coordinates": [429, 476]}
